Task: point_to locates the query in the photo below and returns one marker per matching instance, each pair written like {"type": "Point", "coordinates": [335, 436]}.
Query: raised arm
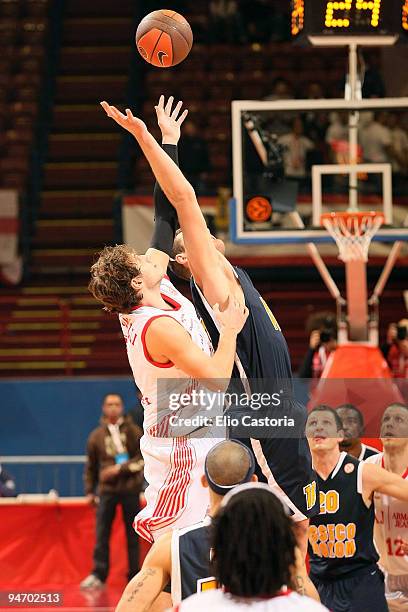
{"type": "Point", "coordinates": [165, 215]}
{"type": "Point", "coordinates": [168, 342]}
{"type": "Point", "coordinates": [204, 259]}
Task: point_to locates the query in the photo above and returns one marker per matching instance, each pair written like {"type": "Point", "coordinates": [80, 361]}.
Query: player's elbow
{"type": "Point", "coordinates": [183, 196]}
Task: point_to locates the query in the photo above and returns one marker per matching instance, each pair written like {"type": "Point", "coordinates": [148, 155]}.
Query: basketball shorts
{"type": "Point", "coordinates": [361, 592]}
{"type": "Point", "coordinates": [175, 497]}
{"type": "Point", "coordinates": [396, 592]}
{"type": "Point", "coordinates": [287, 465]}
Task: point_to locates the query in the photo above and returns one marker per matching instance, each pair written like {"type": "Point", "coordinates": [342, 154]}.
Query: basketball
{"type": "Point", "coordinates": [164, 38]}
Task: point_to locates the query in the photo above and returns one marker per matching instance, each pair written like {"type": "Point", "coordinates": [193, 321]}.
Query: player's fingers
{"type": "Point", "coordinates": [168, 106]}
{"type": "Point", "coordinates": [129, 114]}
{"type": "Point", "coordinates": [182, 117]}
{"type": "Point", "coordinates": [161, 102]}
{"type": "Point", "coordinates": [176, 109]}
{"type": "Point", "coordinates": [105, 106]}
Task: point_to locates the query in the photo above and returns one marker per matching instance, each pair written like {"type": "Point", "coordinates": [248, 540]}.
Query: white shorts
{"type": "Point", "coordinates": [175, 497]}
{"type": "Point", "coordinates": [396, 592]}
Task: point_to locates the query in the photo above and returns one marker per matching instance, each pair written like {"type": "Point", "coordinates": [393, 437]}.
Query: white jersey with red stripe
{"type": "Point", "coordinates": [147, 372]}
{"type": "Point", "coordinates": [174, 456]}
{"type": "Point", "coordinates": [391, 524]}
{"type": "Point", "coordinates": [218, 601]}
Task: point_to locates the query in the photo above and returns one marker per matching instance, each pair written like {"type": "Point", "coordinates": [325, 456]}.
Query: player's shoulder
{"type": "Point", "coordinates": [375, 459]}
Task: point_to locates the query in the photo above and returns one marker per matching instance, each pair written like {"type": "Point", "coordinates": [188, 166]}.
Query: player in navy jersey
{"type": "Point", "coordinates": [182, 557]}
{"type": "Point", "coordinates": [343, 559]}
{"type": "Point", "coordinates": [262, 359]}
{"type": "Point", "coordinates": [353, 428]}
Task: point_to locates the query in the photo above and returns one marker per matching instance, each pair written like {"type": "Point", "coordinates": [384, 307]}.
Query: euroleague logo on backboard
{"type": "Point", "coordinates": [258, 209]}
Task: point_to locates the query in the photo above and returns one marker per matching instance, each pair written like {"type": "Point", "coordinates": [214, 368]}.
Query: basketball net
{"type": "Point", "coordinates": [353, 232]}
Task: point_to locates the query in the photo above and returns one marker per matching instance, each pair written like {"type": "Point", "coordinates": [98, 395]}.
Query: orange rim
{"type": "Point", "coordinates": [359, 215]}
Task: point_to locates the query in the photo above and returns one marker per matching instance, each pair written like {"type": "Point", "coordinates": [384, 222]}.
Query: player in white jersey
{"type": "Point", "coordinates": [391, 515]}
{"type": "Point", "coordinates": [166, 343]}
{"type": "Point", "coordinates": [254, 565]}
{"type": "Point", "coordinates": [165, 340]}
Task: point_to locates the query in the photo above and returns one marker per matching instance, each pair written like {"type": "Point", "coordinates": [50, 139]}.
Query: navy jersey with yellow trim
{"type": "Point", "coordinates": [261, 346]}
{"type": "Point", "coordinates": [190, 558]}
{"type": "Point", "coordinates": [282, 454]}
{"type": "Point", "coordinates": [341, 536]}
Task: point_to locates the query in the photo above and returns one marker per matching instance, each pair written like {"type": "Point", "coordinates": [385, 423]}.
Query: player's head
{"type": "Point", "coordinates": [120, 278]}
{"type": "Point", "coordinates": [253, 542]}
{"type": "Point", "coordinates": [324, 429]}
{"type": "Point", "coordinates": [112, 407]}
{"type": "Point", "coordinates": [227, 464]}
{"type": "Point", "coordinates": [394, 426]}
{"type": "Point", "coordinates": [179, 260]}
{"type": "Point", "coordinates": [353, 424]}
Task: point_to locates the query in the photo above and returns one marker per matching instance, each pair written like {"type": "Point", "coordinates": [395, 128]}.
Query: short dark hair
{"type": "Point", "coordinates": [111, 277]}
{"type": "Point", "coordinates": [325, 408]}
{"type": "Point", "coordinates": [267, 537]}
{"type": "Point", "coordinates": [112, 393]}
{"type": "Point", "coordinates": [356, 410]}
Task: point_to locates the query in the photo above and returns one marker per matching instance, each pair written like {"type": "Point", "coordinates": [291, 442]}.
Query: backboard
{"type": "Point", "coordinates": [309, 166]}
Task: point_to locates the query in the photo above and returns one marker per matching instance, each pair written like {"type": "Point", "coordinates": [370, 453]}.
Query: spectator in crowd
{"type": "Point", "coordinates": [395, 349]}
{"type": "Point", "coordinates": [115, 466]}
{"type": "Point", "coordinates": [353, 428]}
{"type": "Point", "coordinates": [375, 138]}
{"type": "Point", "coordinates": [267, 540]}
{"type": "Point", "coordinates": [323, 340]}
{"type": "Point", "coordinates": [399, 144]}
{"type": "Point", "coordinates": [338, 129]}
{"type": "Point", "coordinates": [7, 484]}
{"type": "Point", "coordinates": [296, 147]}
{"type": "Point", "coordinates": [225, 22]}
{"type": "Point", "coordinates": [373, 83]}
{"type": "Point", "coordinates": [281, 90]}
{"type": "Point", "coordinates": [194, 157]}
{"type": "Point", "coordinates": [315, 122]}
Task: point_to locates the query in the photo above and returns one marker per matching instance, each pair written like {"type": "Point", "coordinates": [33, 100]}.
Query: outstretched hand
{"type": "Point", "coordinates": [129, 122]}
{"type": "Point", "coordinates": [169, 122]}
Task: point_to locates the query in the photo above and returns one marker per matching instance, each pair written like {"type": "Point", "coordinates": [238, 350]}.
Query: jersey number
{"type": "Point", "coordinates": [206, 584]}
{"type": "Point", "coordinates": [329, 502]}
{"type": "Point", "coordinates": [397, 552]}
{"type": "Point", "coordinates": [310, 492]}
{"type": "Point", "coordinates": [270, 315]}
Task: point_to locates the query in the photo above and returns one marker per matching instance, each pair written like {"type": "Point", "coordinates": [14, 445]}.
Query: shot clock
{"type": "Point", "coordinates": [349, 18]}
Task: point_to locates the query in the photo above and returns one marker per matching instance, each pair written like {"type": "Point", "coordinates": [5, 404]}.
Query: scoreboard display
{"type": "Point", "coordinates": [325, 18]}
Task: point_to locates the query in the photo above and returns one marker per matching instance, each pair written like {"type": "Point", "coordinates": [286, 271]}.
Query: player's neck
{"type": "Point", "coordinates": [153, 298]}
{"type": "Point", "coordinates": [354, 449]}
{"type": "Point", "coordinates": [396, 460]}
{"type": "Point", "coordinates": [324, 461]}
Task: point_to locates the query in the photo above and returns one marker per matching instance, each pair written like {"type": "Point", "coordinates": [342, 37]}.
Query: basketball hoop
{"type": "Point", "coordinates": [353, 232]}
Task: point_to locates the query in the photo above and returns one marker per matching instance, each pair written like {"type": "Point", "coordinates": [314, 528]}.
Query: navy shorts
{"type": "Point", "coordinates": [361, 592]}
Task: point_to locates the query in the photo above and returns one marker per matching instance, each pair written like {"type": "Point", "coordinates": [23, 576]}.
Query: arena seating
{"type": "Point", "coordinates": [23, 31]}
{"type": "Point", "coordinates": [52, 325]}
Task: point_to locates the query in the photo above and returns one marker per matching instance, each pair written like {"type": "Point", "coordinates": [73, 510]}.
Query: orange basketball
{"type": "Point", "coordinates": [164, 38]}
{"type": "Point", "coordinates": [258, 209]}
